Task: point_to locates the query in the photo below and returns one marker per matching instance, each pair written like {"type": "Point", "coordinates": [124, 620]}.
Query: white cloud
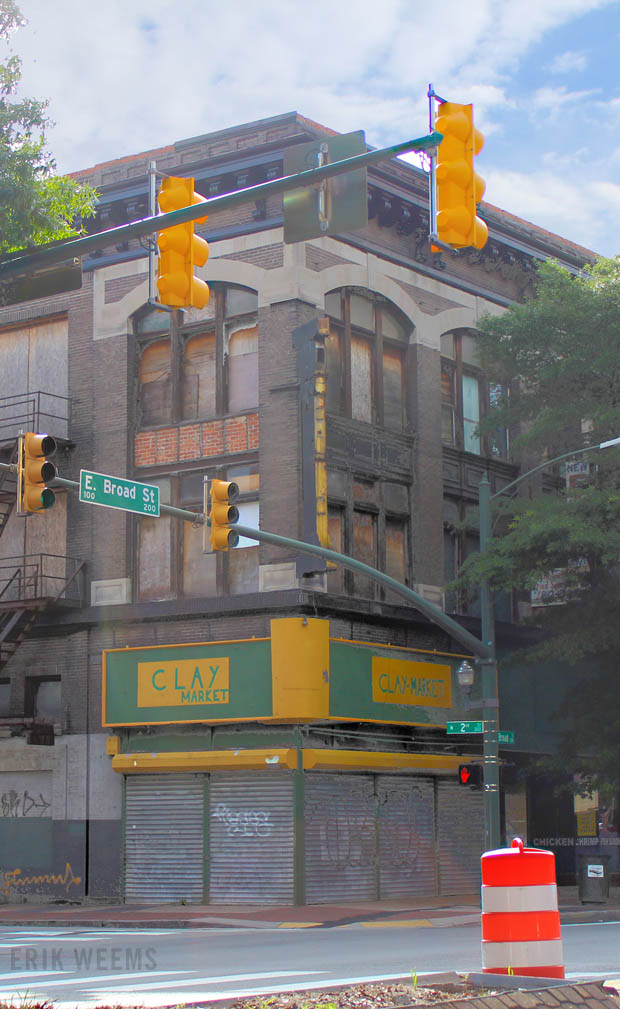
{"type": "Point", "coordinates": [551, 99]}
{"type": "Point", "coordinates": [564, 63]}
{"type": "Point", "coordinates": [588, 216]}
{"type": "Point", "coordinates": [125, 76]}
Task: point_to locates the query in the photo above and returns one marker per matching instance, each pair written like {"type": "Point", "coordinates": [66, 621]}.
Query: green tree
{"type": "Point", "coordinates": [36, 205]}
{"type": "Point", "coordinates": [559, 355]}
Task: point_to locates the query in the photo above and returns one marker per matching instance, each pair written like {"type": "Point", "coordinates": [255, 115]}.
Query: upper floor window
{"type": "Point", "coordinates": [203, 367]}
{"type": "Point", "coordinates": [366, 358]}
{"type": "Point", "coordinates": [171, 562]}
{"type": "Point", "coordinates": [465, 397]}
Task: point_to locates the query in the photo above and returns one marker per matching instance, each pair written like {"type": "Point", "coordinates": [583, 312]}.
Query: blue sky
{"type": "Point", "coordinates": [129, 75]}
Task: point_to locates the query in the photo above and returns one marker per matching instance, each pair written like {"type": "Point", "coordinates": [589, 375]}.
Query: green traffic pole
{"type": "Point", "coordinates": [490, 696]}
{"type": "Point", "coordinates": [57, 252]}
{"type": "Point", "coordinates": [434, 614]}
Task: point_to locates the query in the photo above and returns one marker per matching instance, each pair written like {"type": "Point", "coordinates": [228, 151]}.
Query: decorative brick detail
{"type": "Point", "coordinates": [236, 434]}
{"type": "Point", "coordinates": [196, 441]}
{"type": "Point", "coordinates": [269, 257]}
{"type": "Point", "coordinates": [144, 448]}
{"type": "Point", "coordinates": [189, 442]}
{"type": "Point", "coordinates": [319, 259]}
{"type": "Point", "coordinates": [167, 448]}
{"type": "Point", "coordinates": [213, 438]}
{"type": "Point", "coordinates": [253, 430]}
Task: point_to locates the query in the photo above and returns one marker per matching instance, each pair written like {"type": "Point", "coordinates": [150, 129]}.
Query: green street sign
{"type": "Point", "coordinates": [115, 492]}
{"type": "Point", "coordinates": [464, 728]}
{"type": "Point", "coordinates": [505, 736]}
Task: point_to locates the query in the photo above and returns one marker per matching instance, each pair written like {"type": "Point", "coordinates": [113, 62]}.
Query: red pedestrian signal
{"type": "Point", "coordinates": [471, 774]}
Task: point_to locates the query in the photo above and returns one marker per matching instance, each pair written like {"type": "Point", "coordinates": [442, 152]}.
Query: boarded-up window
{"type": "Point", "coordinates": [396, 549]}
{"type": "Point", "coordinates": [199, 376]}
{"type": "Point", "coordinates": [243, 370]}
{"type": "Point", "coordinates": [154, 554]}
{"type": "Point", "coordinates": [333, 373]}
{"type": "Point", "coordinates": [155, 383]}
{"type": "Point", "coordinates": [393, 398]}
{"type": "Point", "coordinates": [364, 549]}
{"type": "Point", "coordinates": [335, 524]}
{"type": "Point", "coordinates": [447, 403]}
{"type": "Point", "coordinates": [199, 569]}
{"type": "Point", "coordinates": [361, 382]}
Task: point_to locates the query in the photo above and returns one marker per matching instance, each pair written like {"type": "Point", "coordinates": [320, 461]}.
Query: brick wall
{"type": "Point", "coordinates": [201, 440]}
{"type": "Point", "coordinates": [280, 469]}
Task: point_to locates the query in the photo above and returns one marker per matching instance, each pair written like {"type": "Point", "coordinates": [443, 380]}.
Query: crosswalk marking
{"type": "Point", "coordinates": [87, 979]}
{"type": "Point", "coordinates": [224, 978]}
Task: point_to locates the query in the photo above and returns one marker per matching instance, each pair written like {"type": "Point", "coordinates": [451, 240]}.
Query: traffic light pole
{"type": "Point", "coordinates": [490, 694]}
{"type": "Point", "coordinates": [57, 252]}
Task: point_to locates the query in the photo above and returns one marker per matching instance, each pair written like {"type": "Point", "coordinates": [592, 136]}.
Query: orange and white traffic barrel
{"type": "Point", "coordinates": [520, 917]}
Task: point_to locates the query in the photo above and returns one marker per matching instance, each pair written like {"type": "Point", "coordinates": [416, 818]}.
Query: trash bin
{"type": "Point", "coordinates": [593, 878]}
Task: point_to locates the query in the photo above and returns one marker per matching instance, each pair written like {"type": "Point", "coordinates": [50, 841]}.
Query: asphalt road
{"type": "Point", "coordinates": [156, 967]}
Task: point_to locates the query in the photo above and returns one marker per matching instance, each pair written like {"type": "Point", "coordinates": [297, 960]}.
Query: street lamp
{"type": "Point", "coordinates": [465, 677]}
{"type": "Point", "coordinates": [488, 666]}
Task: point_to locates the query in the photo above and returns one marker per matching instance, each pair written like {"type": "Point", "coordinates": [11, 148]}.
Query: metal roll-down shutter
{"type": "Point", "coordinates": [164, 837]}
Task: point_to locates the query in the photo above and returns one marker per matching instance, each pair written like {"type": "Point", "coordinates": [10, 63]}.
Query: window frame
{"type": "Point", "coordinates": [459, 371]}
{"type": "Point", "coordinates": [179, 334]}
{"type": "Point", "coordinates": [342, 581]}
{"type": "Point", "coordinates": [177, 542]}
{"type": "Point", "coordinates": [348, 331]}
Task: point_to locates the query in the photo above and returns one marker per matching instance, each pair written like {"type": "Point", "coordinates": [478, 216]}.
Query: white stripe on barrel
{"type": "Point", "coordinates": [518, 955]}
{"type": "Point", "coordinates": [520, 898]}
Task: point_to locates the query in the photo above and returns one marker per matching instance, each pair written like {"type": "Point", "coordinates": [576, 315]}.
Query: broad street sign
{"type": "Point", "coordinates": [115, 492]}
{"type": "Point", "coordinates": [505, 736]}
{"type": "Point", "coordinates": [464, 728]}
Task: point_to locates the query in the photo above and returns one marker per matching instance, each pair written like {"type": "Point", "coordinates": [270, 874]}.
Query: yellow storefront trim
{"type": "Point", "coordinates": [373, 759]}
{"type": "Point", "coordinates": [203, 760]}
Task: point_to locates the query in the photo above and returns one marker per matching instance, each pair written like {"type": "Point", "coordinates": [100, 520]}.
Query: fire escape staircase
{"type": "Point", "coordinates": [23, 596]}
{"type": "Point", "coordinates": [31, 583]}
{"type": "Point", "coordinates": [8, 490]}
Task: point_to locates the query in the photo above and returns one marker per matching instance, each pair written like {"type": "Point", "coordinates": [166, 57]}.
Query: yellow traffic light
{"type": "Point", "coordinates": [459, 188]}
{"type": "Point", "coordinates": [180, 250]}
{"type": "Point", "coordinates": [223, 514]}
{"type": "Point", "coordinates": [35, 471]}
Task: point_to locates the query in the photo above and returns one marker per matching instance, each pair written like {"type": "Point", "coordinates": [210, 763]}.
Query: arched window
{"type": "Point", "coordinates": [204, 367]}
{"type": "Point", "coordinates": [366, 358]}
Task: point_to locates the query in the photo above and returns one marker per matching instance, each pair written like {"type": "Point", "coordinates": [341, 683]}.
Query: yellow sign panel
{"type": "Point", "coordinates": [399, 681]}
{"type": "Point", "coordinates": [183, 682]}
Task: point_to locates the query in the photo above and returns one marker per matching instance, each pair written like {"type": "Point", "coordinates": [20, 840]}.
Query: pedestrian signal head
{"type": "Point", "coordinates": [471, 774]}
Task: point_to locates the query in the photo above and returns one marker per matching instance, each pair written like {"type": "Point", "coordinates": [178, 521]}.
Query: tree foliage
{"type": "Point", "coordinates": [559, 354]}
{"type": "Point", "coordinates": [36, 205]}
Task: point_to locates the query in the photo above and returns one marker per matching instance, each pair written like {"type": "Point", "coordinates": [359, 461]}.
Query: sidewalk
{"type": "Point", "coordinates": [434, 912]}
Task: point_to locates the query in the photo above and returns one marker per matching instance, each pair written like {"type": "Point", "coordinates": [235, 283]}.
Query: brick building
{"type": "Point", "coordinates": [314, 763]}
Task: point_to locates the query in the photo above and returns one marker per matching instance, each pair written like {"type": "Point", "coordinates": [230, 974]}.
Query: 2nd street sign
{"type": "Point", "coordinates": [115, 492]}
{"type": "Point", "coordinates": [464, 728]}
{"type": "Point", "coordinates": [505, 736]}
